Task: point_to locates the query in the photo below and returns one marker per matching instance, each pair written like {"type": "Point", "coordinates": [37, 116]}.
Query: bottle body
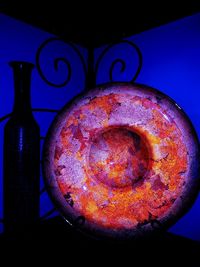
{"type": "Point", "coordinates": [21, 161]}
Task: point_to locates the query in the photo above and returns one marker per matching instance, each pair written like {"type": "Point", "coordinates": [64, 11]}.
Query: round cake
{"type": "Point", "coordinates": [121, 161]}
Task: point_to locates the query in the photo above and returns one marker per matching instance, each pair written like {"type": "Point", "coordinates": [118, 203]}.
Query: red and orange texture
{"type": "Point", "coordinates": [121, 157]}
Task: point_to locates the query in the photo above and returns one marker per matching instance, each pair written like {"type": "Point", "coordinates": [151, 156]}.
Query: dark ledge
{"type": "Point", "coordinates": [53, 238]}
{"type": "Point", "coordinates": [98, 25]}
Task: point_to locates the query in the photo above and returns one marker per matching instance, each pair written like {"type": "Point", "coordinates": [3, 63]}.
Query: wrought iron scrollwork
{"type": "Point", "coordinates": [67, 64]}
{"type": "Point", "coordinates": [57, 61]}
{"type": "Point", "coordinates": [5, 117]}
{"type": "Point", "coordinates": [45, 110]}
{"type": "Point", "coordinates": [47, 214]}
{"type": "Point", "coordinates": [119, 60]}
{"type": "Point", "coordinates": [42, 190]}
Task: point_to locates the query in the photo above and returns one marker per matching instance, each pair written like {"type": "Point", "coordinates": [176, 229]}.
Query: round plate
{"type": "Point", "coordinates": [122, 160]}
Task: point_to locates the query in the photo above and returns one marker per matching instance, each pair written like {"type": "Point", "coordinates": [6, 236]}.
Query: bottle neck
{"type": "Point", "coordinates": [22, 77]}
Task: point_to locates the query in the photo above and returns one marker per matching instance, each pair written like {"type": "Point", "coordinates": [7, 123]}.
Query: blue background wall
{"type": "Point", "coordinates": [171, 56]}
{"type": "Point", "coordinates": [20, 41]}
{"type": "Point", "coordinates": [171, 63]}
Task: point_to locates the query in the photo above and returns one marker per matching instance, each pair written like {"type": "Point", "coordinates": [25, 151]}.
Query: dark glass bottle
{"type": "Point", "coordinates": [21, 157]}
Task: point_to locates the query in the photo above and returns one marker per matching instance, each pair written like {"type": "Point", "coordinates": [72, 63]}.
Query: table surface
{"type": "Point", "coordinates": [54, 238]}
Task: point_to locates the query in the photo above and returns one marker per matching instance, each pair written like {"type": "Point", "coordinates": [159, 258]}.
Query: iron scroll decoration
{"type": "Point", "coordinates": [69, 73]}
{"type": "Point", "coordinates": [82, 61]}
{"type": "Point", "coordinates": [57, 61]}
{"type": "Point", "coordinates": [96, 68]}
{"type": "Point", "coordinates": [122, 159]}
{"type": "Point", "coordinates": [119, 60]}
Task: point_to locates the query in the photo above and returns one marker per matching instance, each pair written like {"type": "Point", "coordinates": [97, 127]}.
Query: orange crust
{"type": "Point", "coordinates": [121, 204]}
